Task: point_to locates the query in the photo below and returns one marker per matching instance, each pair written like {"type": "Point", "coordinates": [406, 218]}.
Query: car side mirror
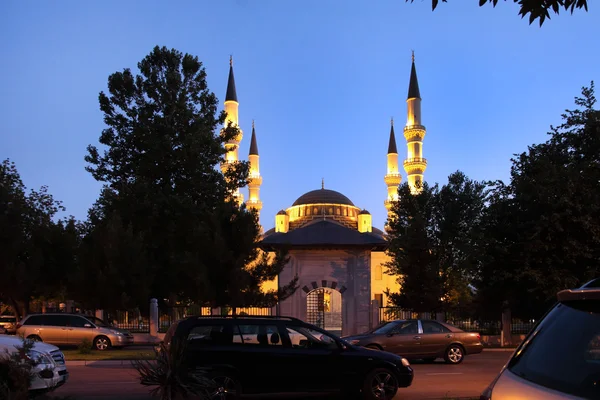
{"type": "Point", "coordinates": [87, 325]}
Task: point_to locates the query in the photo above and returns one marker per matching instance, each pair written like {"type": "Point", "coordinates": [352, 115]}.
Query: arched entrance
{"type": "Point", "coordinates": [324, 309]}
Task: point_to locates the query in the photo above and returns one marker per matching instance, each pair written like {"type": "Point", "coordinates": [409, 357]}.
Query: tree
{"type": "Point", "coordinates": [537, 9]}
{"type": "Point", "coordinates": [163, 189]}
{"type": "Point", "coordinates": [36, 252]}
{"type": "Point", "coordinates": [412, 250]}
{"type": "Point", "coordinates": [543, 229]}
{"type": "Point", "coordinates": [434, 243]}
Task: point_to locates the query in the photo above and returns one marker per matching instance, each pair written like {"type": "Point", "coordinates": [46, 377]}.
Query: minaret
{"type": "Point", "coordinates": [393, 177]}
{"type": "Point", "coordinates": [231, 108]}
{"type": "Point", "coordinates": [255, 180]}
{"type": "Point", "coordinates": [414, 132]}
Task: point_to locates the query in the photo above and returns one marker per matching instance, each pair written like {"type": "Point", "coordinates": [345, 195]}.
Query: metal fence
{"type": "Point", "coordinates": [168, 315]}
{"type": "Point", "coordinates": [467, 324]}
{"type": "Point", "coordinates": [132, 320]}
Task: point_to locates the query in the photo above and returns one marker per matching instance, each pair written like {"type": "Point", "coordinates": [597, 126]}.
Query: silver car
{"type": "Point", "coordinates": [560, 358]}
{"type": "Point", "coordinates": [73, 329]}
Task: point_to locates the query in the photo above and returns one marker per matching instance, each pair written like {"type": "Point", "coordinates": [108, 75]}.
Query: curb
{"type": "Point", "coordinates": [86, 363]}
{"type": "Point", "coordinates": [499, 349]}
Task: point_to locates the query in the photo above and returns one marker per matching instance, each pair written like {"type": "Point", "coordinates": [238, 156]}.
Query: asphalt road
{"type": "Point", "coordinates": [432, 381]}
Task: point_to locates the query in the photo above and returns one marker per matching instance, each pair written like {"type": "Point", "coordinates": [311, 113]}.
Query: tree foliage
{"type": "Point", "coordinates": [434, 243]}
{"type": "Point", "coordinates": [37, 252]}
{"type": "Point", "coordinates": [542, 231]}
{"type": "Point", "coordinates": [537, 9]}
{"type": "Point", "coordinates": [166, 210]}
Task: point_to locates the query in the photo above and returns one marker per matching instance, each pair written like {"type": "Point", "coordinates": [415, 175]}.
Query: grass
{"type": "Point", "coordinates": [120, 354]}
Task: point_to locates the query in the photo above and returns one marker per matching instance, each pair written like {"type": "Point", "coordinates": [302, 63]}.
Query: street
{"type": "Point", "coordinates": [432, 381]}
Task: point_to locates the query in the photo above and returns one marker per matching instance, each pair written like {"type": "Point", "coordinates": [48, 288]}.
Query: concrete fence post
{"type": "Point", "coordinates": [374, 313]}
{"type": "Point", "coordinates": [153, 317]}
{"type": "Point", "coordinates": [100, 314]}
{"type": "Point", "coordinates": [506, 332]}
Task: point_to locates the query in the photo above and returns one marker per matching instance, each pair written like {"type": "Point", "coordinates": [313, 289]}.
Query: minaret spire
{"type": "Point", "coordinates": [393, 177]}
{"type": "Point", "coordinates": [255, 180]}
{"type": "Point", "coordinates": [231, 109]}
{"type": "Point", "coordinates": [414, 132]}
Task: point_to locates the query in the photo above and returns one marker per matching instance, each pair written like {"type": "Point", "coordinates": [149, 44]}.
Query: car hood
{"type": "Point", "coordinates": [114, 328]}
{"type": "Point", "coordinates": [11, 343]}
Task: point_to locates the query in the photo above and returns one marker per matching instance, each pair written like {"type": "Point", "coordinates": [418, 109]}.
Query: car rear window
{"type": "Point", "coordinates": [563, 352]}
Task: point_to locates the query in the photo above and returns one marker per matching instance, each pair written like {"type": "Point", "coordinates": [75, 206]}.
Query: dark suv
{"type": "Point", "coordinates": [283, 354]}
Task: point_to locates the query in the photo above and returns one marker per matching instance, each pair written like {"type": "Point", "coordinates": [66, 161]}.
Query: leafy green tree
{"type": "Point", "coordinates": [537, 9]}
{"type": "Point", "coordinates": [413, 252]}
{"type": "Point", "coordinates": [37, 252]}
{"type": "Point", "coordinates": [434, 244]}
{"type": "Point", "coordinates": [542, 230]}
{"type": "Point", "coordinates": [162, 183]}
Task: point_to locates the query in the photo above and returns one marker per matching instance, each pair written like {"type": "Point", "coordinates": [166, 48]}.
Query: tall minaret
{"type": "Point", "coordinates": [231, 108]}
{"type": "Point", "coordinates": [254, 176]}
{"type": "Point", "coordinates": [414, 132]}
{"type": "Point", "coordinates": [393, 177]}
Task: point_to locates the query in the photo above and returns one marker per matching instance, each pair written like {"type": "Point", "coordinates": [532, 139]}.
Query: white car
{"type": "Point", "coordinates": [50, 371]}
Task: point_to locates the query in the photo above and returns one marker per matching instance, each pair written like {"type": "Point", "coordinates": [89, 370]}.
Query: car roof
{"type": "Point", "coordinates": [243, 317]}
{"type": "Point", "coordinates": [588, 291]}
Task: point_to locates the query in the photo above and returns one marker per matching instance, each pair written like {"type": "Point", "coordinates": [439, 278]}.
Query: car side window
{"type": "Point", "coordinates": [33, 320]}
{"type": "Point", "coordinates": [77, 322]}
{"type": "Point", "coordinates": [406, 328]}
{"type": "Point", "coordinates": [258, 335]}
{"type": "Point", "coordinates": [55, 320]}
{"type": "Point", "coordinates": [210, 335]}
{"type": "Point", "coordinates": [305, 338]}
{"type": "Point", "coordinates": [433, 327]}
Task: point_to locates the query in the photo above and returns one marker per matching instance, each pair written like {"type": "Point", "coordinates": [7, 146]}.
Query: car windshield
{"type": "Point", "coordinates": [99, 322]}
{"type": "Point", "coordinates": [563, 353]}
{"type": "Point", "coordinates": [385, 328]}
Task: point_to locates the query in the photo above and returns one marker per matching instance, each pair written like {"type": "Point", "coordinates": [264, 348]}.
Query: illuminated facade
{"type": "Point", "coordinates": [337, 253]}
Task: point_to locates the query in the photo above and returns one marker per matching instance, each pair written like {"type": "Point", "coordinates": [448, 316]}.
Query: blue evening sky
{"type": "Point", "coordinates": [321, 79]}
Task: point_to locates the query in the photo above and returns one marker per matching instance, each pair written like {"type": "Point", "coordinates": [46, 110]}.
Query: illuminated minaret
{"type": "Point", "coordinates": [414, 132]}
{"type": "Point", "coordinates": [254, 176]}
{"type": "Point", "coordinates": [231, 108]}
{"type": "Point", "coordinates": [393, 177]}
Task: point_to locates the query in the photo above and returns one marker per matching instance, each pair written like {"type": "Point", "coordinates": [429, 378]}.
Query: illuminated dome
{"type": "Point", "coordinates": [323, 196]}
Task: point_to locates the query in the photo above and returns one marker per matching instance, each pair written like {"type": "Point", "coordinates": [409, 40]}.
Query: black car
{"type": "Point", "coordinates": [254, 355]}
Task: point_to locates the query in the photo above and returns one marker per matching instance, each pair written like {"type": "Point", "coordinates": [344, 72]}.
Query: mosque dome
{"type": "Point", "coordinates": [323, 196]}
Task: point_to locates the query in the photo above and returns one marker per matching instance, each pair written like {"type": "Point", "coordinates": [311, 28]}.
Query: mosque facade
{"type": "Point", "coordinates": [334, 249]}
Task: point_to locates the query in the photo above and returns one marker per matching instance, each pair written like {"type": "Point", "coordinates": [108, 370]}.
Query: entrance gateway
{"type": "Point", "coordinates": [324, 309]}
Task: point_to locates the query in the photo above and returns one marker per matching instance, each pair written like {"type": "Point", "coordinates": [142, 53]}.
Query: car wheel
{"type": "Point", "coordinates": [35, 338]}
{"type": "Point", "coordinates": [225, 388]}
{"type": "Point", "coordinates": [380, 384]}
{"type": "Point", "coordinates": [454, 354]}
{"type": "Point", "coordinates": [102, 343]}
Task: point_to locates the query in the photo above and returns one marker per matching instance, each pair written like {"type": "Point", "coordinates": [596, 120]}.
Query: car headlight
{"type": "Point", "coordinates": [40, 358]}
{"type": "Point", "coordinates": [116, 332]}
{"type": "Point", "coordinates": [405, 362]}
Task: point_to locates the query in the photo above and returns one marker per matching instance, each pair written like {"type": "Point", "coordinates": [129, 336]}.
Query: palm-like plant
{"type": "Point", "coordinates": [172, 376]}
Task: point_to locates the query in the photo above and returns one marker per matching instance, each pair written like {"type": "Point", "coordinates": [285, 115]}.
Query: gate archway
{"type": "Point", "coordinates": [324, 309]}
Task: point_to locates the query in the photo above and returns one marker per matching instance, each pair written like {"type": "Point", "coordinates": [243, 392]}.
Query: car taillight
{"type": "Point", "coordinates": [19, 325]}
{"type": "Point", "coordinates": [478, 336]}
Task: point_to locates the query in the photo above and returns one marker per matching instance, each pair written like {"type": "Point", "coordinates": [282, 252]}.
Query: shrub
{"type": "Point", "coordinates": [85, 347]}
{"type": "Point", "coordinates": [172, 378]}
{"type": "Point", "coordinates": [15, 373]}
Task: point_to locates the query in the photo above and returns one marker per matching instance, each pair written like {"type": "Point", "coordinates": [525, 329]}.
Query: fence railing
{"type": "Point", "coordinates": [467, 324]}
{"type": "Point", "coordinates": [133, 320]}
{"type": "Point", "coordinates": [168, 315]}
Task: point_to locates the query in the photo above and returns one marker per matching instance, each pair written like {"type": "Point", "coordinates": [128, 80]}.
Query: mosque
{"type": "Point", "coordinates": [334, 249]}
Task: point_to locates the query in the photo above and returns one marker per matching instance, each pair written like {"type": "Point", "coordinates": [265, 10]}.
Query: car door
{"type": "Point", "coordinates": [78, 331]}
{"type": "Point", "coordinates": [404, 339]}
{"type": "Point", "coordinates": [313, 359]}
{"type": "Point", "coordinates": [434, 338]}
{"type": "Point", "coordinates": [54, 329]}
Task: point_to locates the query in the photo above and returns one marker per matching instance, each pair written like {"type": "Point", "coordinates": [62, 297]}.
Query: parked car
{"type": "Point", "coordinates": [421, 339]}
{"type": "Point", "coordinates": [50, 371]}
{"type": "Point", "coordinates": [283, 354]}
{"type": "Point", "coordinates": [560, 357]}
{"type": "Point", "coordinates": [72, 329]}
{"type": "Point", "coordinates": [8, 323]}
